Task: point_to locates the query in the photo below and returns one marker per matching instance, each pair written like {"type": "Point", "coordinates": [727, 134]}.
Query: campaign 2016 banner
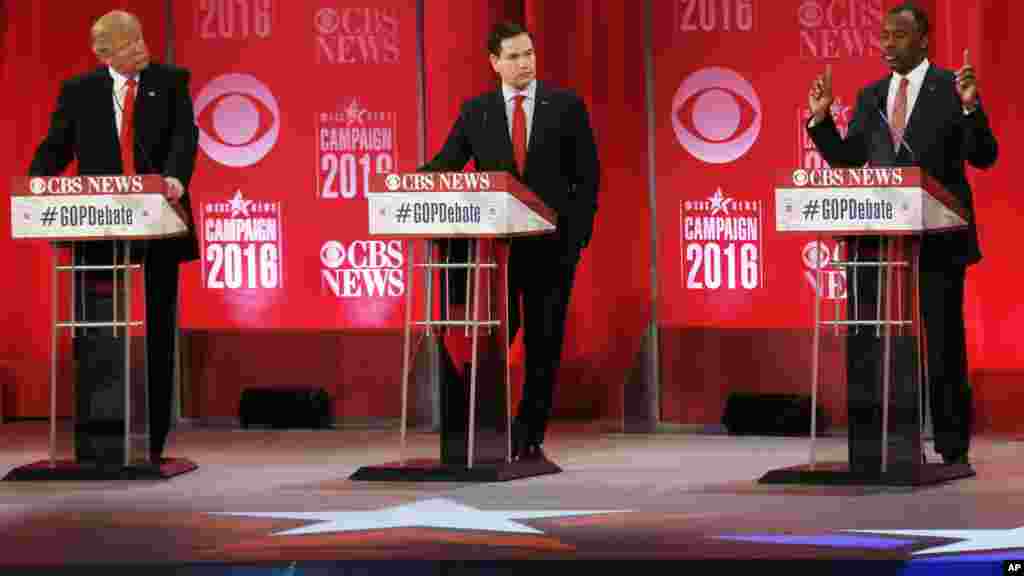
{"type": "Point", "coordinates": [732, 78]}
{"type": "Point", "coordinates": [299, 105]}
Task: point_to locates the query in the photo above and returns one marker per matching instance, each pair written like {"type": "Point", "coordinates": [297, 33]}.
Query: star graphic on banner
{"type": "Point", "coordinates": [239, 205]}
{"type": "Point", "coordinates": [354, 114]}
{"type": "Point", "coordinates": [432, 513]}
{"type": "Point", "coordinates": [720, 203]}
{"type": "Point", "coordinates": [970, 540]}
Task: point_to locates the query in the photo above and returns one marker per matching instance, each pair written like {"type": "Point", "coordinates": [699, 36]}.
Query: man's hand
{"type": "Point", "coordinates": [819, 98]}
{"type": "Point", "coordinates": [967, 84]}
{"type": "Point", "coordinates": [174, 189]}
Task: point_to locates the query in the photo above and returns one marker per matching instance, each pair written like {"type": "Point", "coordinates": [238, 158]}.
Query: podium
{"type": "Point", "coordinates": [880, 215]}
{"type": "Point", "coordinates": [98, 215]}
{"type": "Point", "coordinates": [486, 209]}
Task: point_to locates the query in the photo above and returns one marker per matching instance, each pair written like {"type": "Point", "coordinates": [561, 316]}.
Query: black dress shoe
{"type": "Point", "coordinates": [518, 440]}
{"type": "Point", "coordinates": [960, 459]}
{"type": "Point", "coordinates": [534, 451]}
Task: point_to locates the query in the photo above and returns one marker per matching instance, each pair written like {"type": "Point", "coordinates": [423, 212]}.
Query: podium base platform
{"type": "Point", "coordinates": [839, 474]}
{"type": "Point", "coordinates": [427, 470]}
{"type": "Point", "coordinates": [71, 470]}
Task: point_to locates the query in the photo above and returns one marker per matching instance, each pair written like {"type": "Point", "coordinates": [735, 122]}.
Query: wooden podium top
{"type": "Point", "coordinates": [455, 204]}
{"type": "Point", "coordinates": [93, 208]}
{"type": "Point", "coordinates": [865, 201]}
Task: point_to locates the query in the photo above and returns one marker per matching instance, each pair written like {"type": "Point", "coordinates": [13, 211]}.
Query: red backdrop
{"type": "Point", "coordinates": [733, 311]}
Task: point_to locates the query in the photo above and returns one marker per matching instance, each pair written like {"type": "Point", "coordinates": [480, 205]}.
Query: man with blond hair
{"type": "Point", "coordinates": [130, 116]}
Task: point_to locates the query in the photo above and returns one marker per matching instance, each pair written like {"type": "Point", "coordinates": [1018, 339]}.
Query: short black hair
{"type": "Point", "coordinates": [503, 31]}
{"type": "Point", "coordinates": [920, 17]}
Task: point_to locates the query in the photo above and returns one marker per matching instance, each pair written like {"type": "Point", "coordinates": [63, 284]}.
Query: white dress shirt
{"type": "Point", "coordinates": [528, 105]}
{"type": "Point", "coordinates": [120, 90]}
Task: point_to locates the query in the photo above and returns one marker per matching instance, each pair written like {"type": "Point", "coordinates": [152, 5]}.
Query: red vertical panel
{"type": "Point", "coordinates": [596, 50]}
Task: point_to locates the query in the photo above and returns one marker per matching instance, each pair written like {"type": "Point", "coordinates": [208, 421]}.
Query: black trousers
{"type": "Point", "coordinates": [161, 274]}
{"type": "Point", "coordinates": [541, 272]}
{"type": "Point", "coordinates": [161, 283]}
{"type": "Point", "coordinates": [942, 299]}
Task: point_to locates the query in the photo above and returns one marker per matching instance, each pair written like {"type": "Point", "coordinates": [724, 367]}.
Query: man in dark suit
{"type": "Point", "coordinates": [920, 115]}
{"type": "Point", "coordinates": [542, 136]}
{"type": "Point", "coordinates": [131, 116]}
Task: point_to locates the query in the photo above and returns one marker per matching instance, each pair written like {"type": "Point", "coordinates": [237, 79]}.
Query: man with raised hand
{"type": "Point", "coordinates": [918, 115]}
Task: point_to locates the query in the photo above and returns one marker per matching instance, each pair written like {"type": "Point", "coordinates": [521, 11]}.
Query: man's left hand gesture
{"type": "Point", "coordinates": [967, 85]}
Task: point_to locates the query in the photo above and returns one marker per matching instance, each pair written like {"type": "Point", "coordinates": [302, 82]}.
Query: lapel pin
{"type": "Point", "coordinates": [152, 93]}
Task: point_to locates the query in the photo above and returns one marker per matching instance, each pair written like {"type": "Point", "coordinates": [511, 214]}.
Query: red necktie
{"type": "Point", "coordinates": [128, 129]}
{"type": "Point", "coordinates": [899, 114]}
{"type": "Point", "coordinates": [519, 133]}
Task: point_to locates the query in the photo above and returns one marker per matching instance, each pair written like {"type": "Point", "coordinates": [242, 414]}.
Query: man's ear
{"type": "Point", "coordinates": [99, 55]}
{"type": "Point", "coordinates": [494, 62]}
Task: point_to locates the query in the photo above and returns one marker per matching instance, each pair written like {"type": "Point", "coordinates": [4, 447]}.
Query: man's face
{"type": "Point", "coordinates": [517, 63]}
{"type": "Point", "coordinates": [902, 43]}
{"type": "Point", "coordinates": [130, 54]}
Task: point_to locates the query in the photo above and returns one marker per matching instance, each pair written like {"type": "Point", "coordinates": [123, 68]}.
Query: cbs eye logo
{"type": "Point", "coordinates": [332, 254]}
{"type": "Point", "coordinates": [238, 118]}
{"type": "Point", "coordinates": [716, 115]}
{"type": "Point", "coordinates": [326, 21]}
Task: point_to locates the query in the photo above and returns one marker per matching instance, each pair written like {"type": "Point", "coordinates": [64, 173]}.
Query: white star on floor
{"type": "Point", "coordinates": [971, 540]}
{"type": "Point", "coordinates": [432, 513]}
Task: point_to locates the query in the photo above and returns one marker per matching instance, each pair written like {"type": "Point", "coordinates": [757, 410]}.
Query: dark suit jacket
{"type": "Point", "coordinates": [941, 139]}
{"type": "Point", "coordinates": [561, 159]}
{"type": "Point", "coordinates": [83, 127]}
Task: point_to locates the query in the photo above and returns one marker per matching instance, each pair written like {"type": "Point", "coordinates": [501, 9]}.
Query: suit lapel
{"type": "Point", "coordinates": [541, 118]}
{"type": "Point", "coordinates": [926, 100]}
{"type": "Point", "coordinates": [103, 93]}
{"type": "Point", "coordinates": [147, 84]}
{"type": "Point", "coordinates": [888, 154]}
{"type": "Point", "coordinates": [496, 108]}
{"type": "Point", "coordinates": [105, 98]}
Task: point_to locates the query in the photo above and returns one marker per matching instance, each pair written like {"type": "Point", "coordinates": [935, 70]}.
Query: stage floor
{"type": "Point", "coordinates": [280, 502]}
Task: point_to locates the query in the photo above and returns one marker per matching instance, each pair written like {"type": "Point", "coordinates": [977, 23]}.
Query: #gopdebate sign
{"type": "Point", "coordinates": [863, 200]}
{"type": "Point", "coordinates": [448, 204]}
{"type": "Point", "coordinates": [92, 207]}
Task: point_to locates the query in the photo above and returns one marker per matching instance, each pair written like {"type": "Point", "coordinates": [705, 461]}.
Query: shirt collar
{"type": "Point", "coordinates": [119, 79]}
{"type": "Point", "coordinates": [916, 76]}
{"type": "Point", "coordinates": [509, 92]}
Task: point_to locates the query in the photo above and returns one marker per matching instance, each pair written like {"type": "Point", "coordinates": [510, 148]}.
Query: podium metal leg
{"type": "Point", "coordinates": [922, 345]}
{"type": "Point", "coordinates": [508, 345]}
{"type": "Point", "coordinates": [53, 358]}
{"type": "Point", "coordinates": [886, 292]}
{"type": "Point", "coordinates": [474, 248]}
{"type": "Point", "coordinates": [411, 255]}
{"type": "Point", "coordinates": [127, 346]}
{"type": "Point", "coordinates": [816, 353]}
